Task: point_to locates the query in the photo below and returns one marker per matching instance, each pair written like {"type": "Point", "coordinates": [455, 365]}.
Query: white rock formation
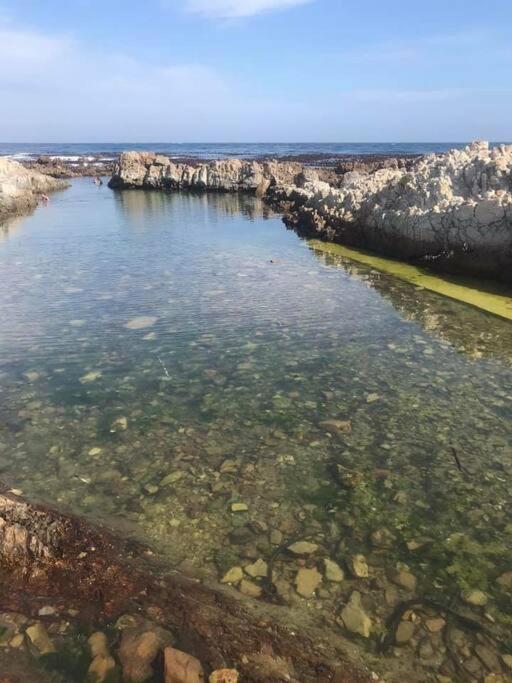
{"type": "Point", "coordinates": [452, 210]}
{"type": "Point", "coordinates": [21, 188]}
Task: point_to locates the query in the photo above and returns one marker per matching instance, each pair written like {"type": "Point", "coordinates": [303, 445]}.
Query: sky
{"type": "Point", "coordinates": [255, 70]}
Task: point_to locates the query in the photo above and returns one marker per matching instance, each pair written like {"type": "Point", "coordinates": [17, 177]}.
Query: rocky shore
{"type": "Point", "coordinates": [72, 167]}
{"type": "Point", "coordinates": [451, 212]}
{"type": "Point", "coordinates": [77, 602]}
{"type": "Point", "coordinates": [21, 189]}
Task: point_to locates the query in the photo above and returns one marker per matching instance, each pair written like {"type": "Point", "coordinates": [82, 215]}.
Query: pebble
{"type": "Point", "coordinates": [307, 581]}
{"type": "Point", "coordinates": [405, 580]}
{"type": "Point", "coordinates": [505, 581]}
{"type": "Point", "coordinates": [333, 572]}
{"type": "Point", "coordinates": [180, 667]}
{"type": "Point", "coordinates": [17, 641]}
{"type": "Point", "coordinates": [336, 426]}
{"type": "Point", "coordinates": [172, 478]}
{"type": "Point", "coordinates": [371, 398]}
{"type": "Point", "coordinates": [90, 377]}
{"type": "Point", "coordinates": [250, 588]}
{"type": "Point", "coordinates": [47, 611]}
{"type": "Point", "coordinates": [239, 507]}
{"type": "Point", "coordinates": [435, 625]}
{"type": "Point", "coordinates": [476, 597]}
{"type": "Point", "coordinates": [507, 660]}
{"type": "Point", "coordinates": [404, 632]}
{"type": "Point", "coordinates": [257, 569]}
{"type": "Point", "coordinates": [276, 537]}
{"type": "Point", "coordinates": [233, 575]}
{"type": "Point", "coordinates": [358, 566]}
{"type": "Point", "coordinates": [40, 638]}
{"type": "Point", "coordinates": [119, 425]}
{"type": "Point", "coordinates": [141, 322]}
{"type": "Point", "coordinates": [303, 548]}
{"type": "Point", "coordinates": [354, 617]}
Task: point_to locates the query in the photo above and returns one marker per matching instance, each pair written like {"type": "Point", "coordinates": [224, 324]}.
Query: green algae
{"type": "Point", "coordinates": [485, 296]}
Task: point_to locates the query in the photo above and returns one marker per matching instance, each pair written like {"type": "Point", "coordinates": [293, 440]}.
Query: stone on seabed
{"type": "Point", "coordinates": [180, 667]}
{"type": "Point", "coordinates": [354, 617]}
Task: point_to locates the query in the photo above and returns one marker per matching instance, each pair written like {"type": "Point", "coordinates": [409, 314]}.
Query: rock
{"type": "Point", "coordinates": [119, 425]}
{"type": "Point", "coordinates": [488, 658]}
{"type": "Point", "coordinates": [435, 625]}
{"type": "Point", "coordinates": [333, 572]}
{"type": "Point", "coordinates": [224, 676]}
{"type": "Point", "coordinates": [405, 580]}
{"type": "Point", "coordinates": [233, 575]}
{"type": "Point", "coordinates": [476, 598]}
{"type": "Point", "coordinates": [303, 548]}
{"type": "Point", "coordinates": [507, 661]}
{"type": "Point", "coordinates": [47, 611]}
{"type": "Point", "coordinates": [21, 189]}
{"type": "Point", "coordinates": [101, 668]}
{"type": "Point", "coordinates": [382, 538]}
{"type": "Point", "coordinates": [505, 581]}
{"type": "Point", "coordinates": [371, 398]}
{"type": "Point", "coordinates": [138, 650]}
{"type": "Point", "coordinates": [98, 644]}
{"type": "Point", "coordinates": [40, 639]}
{"type": "Point", "coordinates": [90, 377]}
{"type": "Point", "coordinates": [172, 478]}
{"type": "Point", "coordinates": [141, 322]}
{"type": "Point", "coordinates": [358, 566]}
{"type": "Point", "coordinates": [404, 632]}
{"type": "Point", "coordinates": [307, 581]}
{"type": "Point", "coordinates": [239, 507]}
{"type": "Point", "coordinates": [17, 641]}
{"type": "Point", "coordinates": [457, 206]}
{"type": "Point", "coordinates": [257, 570]}
{"type": "Point", "coordinates": [179, 667]}
{"type": "Point", "coordinates": [336, 426]}
{"type": "Point", "coordinates": [354, 617]}
{"type": "Point", "coordinates": [250, 588]}
{"type": "Point", "coordinates": [276, 537]}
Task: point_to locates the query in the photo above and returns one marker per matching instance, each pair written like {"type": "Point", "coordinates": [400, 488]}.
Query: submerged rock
{"type": "Point", "coordinates": [333, 572]}
{"type": "Point", "coordinates": [355, 618]}
{"type": "Point", "coordinates": [358, 566]}
{"type": "Point", "coordinates": [180, 667]}
{"type": "Point", "coordinates": [307, 581]}
{"type": "Point", "coordinates": [141, 322]}
{"type": "Point", "coordinates": [39, 637]}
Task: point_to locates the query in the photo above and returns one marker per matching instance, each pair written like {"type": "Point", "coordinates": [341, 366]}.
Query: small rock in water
{"type": "Point", "coordinates": [354, 617]}
{"type": "Point", "coordinates": [172, 478]}
{"type": "Point", "coordinates": [141, 322]}
{"type": "Point", "coordinates": [505, 581]}
{"type": "Point", "coordinates": [435, 625]}
{"type": "Point", "coordinates": [31, 376]}
{"type": "Point", "coordinates": [233, 575]}
{"type": "Point", "coordinates": [119, 425]}
{"type": "Point", "coordinates": [250, 588]}
{"type": "Point", "coordinates": [307, 581]}
{"type": "Point", "coordinates": [101, 668]}
{"type": "Point", "coordinates": [47, 611]}
{"type": "Point", "coordinates": [371, 398]}
{"type": "Point", "coordinates": [258, 569]}
{"type": "Point", "coordinates": [276, 537]}
{"type": "Point", "coordinates": [40, 638]}
{"type": "Point", "coordinates": [358, 566]}
{"type": "Point", "coordinates": [336, 426]}
{"type": "Point", "coordinates": [224, 676]}
{"type": "Point", "coordinates": [138, 650]}
{"type": "Point", "coordinates": [239, 507]}
{"type": "Point", "coordinates": [404, 632]}
{"type": "Point", "coordinates": [476, 597]}
{"type": "Point", "coordinates": [90, 377]}
{"type": "Point", "coordinates": [303, 548]}
{"type": "Point", "coordinates": [180, 667]}
{"type": "Point", "coordinates": [405, 580]}
{"type": "Point", "coordinates": [333, 572]}
{"type": "Point", "coordinates": [95, 451]}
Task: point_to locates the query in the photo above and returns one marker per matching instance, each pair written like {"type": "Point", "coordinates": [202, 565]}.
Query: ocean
{"type": "Point", "coordinates": [224, 150]}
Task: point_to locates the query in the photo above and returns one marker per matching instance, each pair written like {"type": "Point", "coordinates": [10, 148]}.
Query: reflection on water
{"type": "Point", "coordinates": [184, 368]}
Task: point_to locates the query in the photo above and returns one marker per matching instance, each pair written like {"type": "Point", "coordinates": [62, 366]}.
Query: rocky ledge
{"type": "Point", "coordinates": [452, 212]}
{"type": "Point", "coordinates": [146, 170]}
{"type": "Point", "coordinates": [21, 188]}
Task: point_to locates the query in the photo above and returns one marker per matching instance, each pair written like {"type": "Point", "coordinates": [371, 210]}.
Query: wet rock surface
{"type": "Point", "coordinates": [21, 189]}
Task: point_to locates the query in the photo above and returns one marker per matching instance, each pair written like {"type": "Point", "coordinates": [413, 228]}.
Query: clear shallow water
{"type": "Point", "coordinates": [224, 150]}
{"type": "Point", "coordinates": [165, 356]}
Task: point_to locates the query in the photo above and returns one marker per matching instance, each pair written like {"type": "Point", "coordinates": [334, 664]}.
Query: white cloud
{"type": "Point", "coordinates": [239, 8]}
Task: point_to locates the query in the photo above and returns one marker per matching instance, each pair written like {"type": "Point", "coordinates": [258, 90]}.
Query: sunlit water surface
{"type": "Point", "coordinates": [163, 357]}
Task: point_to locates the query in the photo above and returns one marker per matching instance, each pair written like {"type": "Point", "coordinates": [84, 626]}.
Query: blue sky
{"type": "Point", "coordinates": [255, 70]}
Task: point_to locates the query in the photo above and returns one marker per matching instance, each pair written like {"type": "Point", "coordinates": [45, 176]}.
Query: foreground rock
{"type": "Point", "coordinates": [49, 558]}
{"type": "Point", "coordinates": [21, 189]}
{"type": "Point", "coordinates": [451, 211]}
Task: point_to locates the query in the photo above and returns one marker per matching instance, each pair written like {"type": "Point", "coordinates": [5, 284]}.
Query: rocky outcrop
{"type": "Point", "coordinates": [451, 211]}
{"type": "Point", "coordinates": [20, 188]}
{"type": "Point", "coordinates": [152, 171]}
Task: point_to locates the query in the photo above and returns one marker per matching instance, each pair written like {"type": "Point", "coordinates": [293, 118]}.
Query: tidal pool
{"type": "Point", "coordinates": [185, 370]}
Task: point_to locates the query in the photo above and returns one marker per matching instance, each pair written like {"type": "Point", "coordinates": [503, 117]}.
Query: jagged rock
{"type": "Point", "coordinates": [354, 617]}
{"type": "Point", "coordinates": [452, 211]}
{"type": "Point", "coordinates": [20, 188]}
{"type": "Point", "coordinates": [477, 598]}
{"type": "Point", "coordinates": [404, 632]}
{"type": "Point", "coordinates": [139, 647]}
{"type": "Point", "coordinates": [233, 575]}
{"type": "Point", "coordinates": [180, 667]}
{"type": "Point", "coordinates": [303, 548]}
{"type": "Point", "coordinates": [40, 639]}
{"type": "Point", "coordinates": [257, 569]}
{"type": "Point", "coordinates": [250, 588]}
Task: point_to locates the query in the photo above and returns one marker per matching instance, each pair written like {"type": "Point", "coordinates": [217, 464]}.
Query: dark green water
{"type": "Point", "coordinates": [145, 335]}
